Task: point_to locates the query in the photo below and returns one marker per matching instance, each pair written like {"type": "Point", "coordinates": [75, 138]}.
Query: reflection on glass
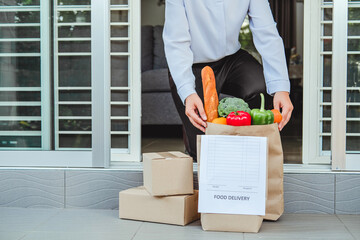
{"type": "Point", "coordinates": [120, 110]}
{"type": "Point", "coordinates": [327, 62]}
{"type": "Point", "coordinates": [353, 126]}
{"type": "Point", "coordinates": [74, 71]}
{"type": "Point", "coordinates": [74, 31]}
{"type": "Point", "coordinates": [75, 140]}
{"type": "Point", "coordinates": [20, 141]}
{"type": "Point", "coordinates": [119, 125]}
{"type": "Point", "coordinates": [353, 96]}
{"type": "Point", "coordinates": [20, 111]}
{"type": "Point", "coordinates": [78, 46]}
{"type": "Point", "coordinates": [353, 112]}
{"type": "Point", "coordinates": [75, 125]}
{"type": "Point", "coordinates": [20, 17]}
{"type": "Point", "coordinates": [353, 29]}
{"type": "Point", "coordinates": [19, 71]}
{"type": "Point", "coordinates": [326, 143]}
{"type": "Point", "coordinates": [327, 28]}
{"type": "Point", "coordinates": [326, 96]}
{"type": "Point", "coordinates": [119, 46]}
{"type": "Point", "coordinates": [326, 111]}
{"type": "Point", "coordinates": [20, 32]}
{"type": "Point", "coordinates": [119, 2]}
{"type": "Point", "coordinates": [19, 2]}
{"type": "Point", "coordinates": [353, 70]}
{"type": "Point", "coordinates": [119, 31]}
{"type": "Point", "coordinates": [354, 13]}
{"type": "Point", "coordinates": [353, 143]}
{"type": "Point", "coordinates": [353, 44]}
{"type": "Point", "coordinates": [22, 96]}
{"type": "Point", "coordinates": [74, 16]}
{"type": "Point", "coordinates": [327, 45]}
{"type": "Point", "coordinates": [80, 95]}
{"type": "Point", "coordinates": [119, 71]}
{"type": "Point", "coordinates": [328, 14]}
{"type": "Point", "coordinates": [119, 141]}
{"type": "Point", "coordinates": [326, 126]}
{"type": "Point", "coordinates": [75, 110]}
{"type": "Point", "coordinates": [74, 2]}
{"type": "Point", "coordinates": [119, 96]}
{"type": "Point", "coordinates": [20, 126]}
{"type": "Point", "coordinates": [19, 47]}
{"type": "Point", "coordinates": [119, 16]}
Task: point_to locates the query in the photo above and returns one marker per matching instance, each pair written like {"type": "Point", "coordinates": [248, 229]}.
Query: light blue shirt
{"type": "Point", "coordinates": [207, 30]}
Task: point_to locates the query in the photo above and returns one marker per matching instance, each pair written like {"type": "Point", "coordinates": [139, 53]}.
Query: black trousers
{"type": "Point", "coordinates": [239, 75]}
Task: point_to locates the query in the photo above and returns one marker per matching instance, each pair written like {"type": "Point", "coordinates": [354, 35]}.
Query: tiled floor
{"type": "Point", "coordinates": [58, 224]}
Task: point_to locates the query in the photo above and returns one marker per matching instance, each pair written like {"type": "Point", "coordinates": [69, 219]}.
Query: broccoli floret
{"type": "Point", "coordinates": [232, 104]}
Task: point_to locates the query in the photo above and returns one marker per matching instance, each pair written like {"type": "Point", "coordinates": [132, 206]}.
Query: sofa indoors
{"type": "Point", "coordinates": [158, 107]}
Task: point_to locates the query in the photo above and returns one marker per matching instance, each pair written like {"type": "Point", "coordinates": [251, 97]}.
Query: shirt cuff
{"type": "Point", "coordinates": [278, 86]}
{"type": "Point", "coordinates": [186, 90]}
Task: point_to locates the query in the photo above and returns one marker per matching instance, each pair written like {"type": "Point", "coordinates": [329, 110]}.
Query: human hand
{"type": "Point", "coordinates": [194, 109]}
{"type": "Point", "coordinates": [282, 101]}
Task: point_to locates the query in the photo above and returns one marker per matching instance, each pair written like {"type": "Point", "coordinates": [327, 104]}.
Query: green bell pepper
{"type": "Point", "coordinates": [261, 116]}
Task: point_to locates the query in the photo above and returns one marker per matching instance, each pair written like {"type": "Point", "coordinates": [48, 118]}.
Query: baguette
{"type": "Point", "coordinates": [211, 100]}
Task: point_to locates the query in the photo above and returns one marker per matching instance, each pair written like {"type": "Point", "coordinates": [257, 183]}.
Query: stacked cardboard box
{"type": "Point", "coordinates": [168, 194]}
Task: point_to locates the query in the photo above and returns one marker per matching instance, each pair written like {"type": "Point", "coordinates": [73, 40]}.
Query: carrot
{"type": "Point", "coordinates": [211, 100]}
{"type": "Point", "coordinates": [277, 116]}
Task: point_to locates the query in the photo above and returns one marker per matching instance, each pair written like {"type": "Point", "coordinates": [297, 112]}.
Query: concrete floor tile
{"type": "Point", "coordinates": [77, 235]}
{"type": "Point", "coordinates": [156, 231]}
{"type": "Point", "coordinates": [24, 219]}
{"type": "Point", "coordinates": [88, 220]}
{"type": "Point", "coordinates": [352, 223]}
{"type": "Point", "coordinates": [12, 235]}
{"type": "Point", "coordinates": [163, 145]}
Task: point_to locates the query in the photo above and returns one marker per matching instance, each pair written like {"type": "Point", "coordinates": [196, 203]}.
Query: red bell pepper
{"type": "Point", "coordinates": [238, 118]}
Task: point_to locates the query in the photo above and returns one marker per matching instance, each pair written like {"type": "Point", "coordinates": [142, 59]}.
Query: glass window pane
{"type": "Point", "coordinates": [119, 31]}
{"type": "Point", "coordinates": [119, 46]}
{"type": "Point", "coordinates": [74, 2]}
{"type": "Point", "coordinates": [19, 32]}
{"type": "Point", "coordinates": [327, 45]}
{"type": "Point", "coordinates": [353, 126]}
{"type": "Point", "coordinates": [353, 29]}
{"type": "Point", "coordinates": [74, 95]}
{"type": "Point", "coordinates": [119, 16]}
{"type": "Point", "coordinates": [75, 110]}
{"type": "Point", "coordinates": [353, 96]}
{"type": "Point", "coordinates": [327, 29]}
{"type": "Point", "coordinates": [19, 3]}
{"type": "Point", "coordinates": [353, 71]}
{"type": "Point", "coordinates": [75, 141]}
{"type": "Point", "coordinates": [327, 14]}
{"type": "Point", "coordinates": [20, 125]}
{"type": "Point", "coordinates": [20, 111]}
{"type": "Point", "coordinates": [74, 16]}
{"type": "Point", "coordinates": [74, 31]}
{"type": "Point", "coordinates": [78, 46]}
{"type": "Point", "coordinates": [353, 112]}
{"type": "Point", "coordinates": [119, 2]}
{"type": "Point", "coordinates": [119, 96]}
{"type": "Point", "coordinates": [326, 143]}
{"type": "Point", "coordinates": [22, 96]}
{"type": "Point", "coordinates": [354, 14]}
{"type": "Point", "coordinates": [20, 141]}
{"type": "Point", "coordinates": [354, 45]}
{"type": "Point", "coordinates": [119, 71]}
{"type": "Point", "coordinates": [20, 17]}
{"type": "Point", "coordinates": [119, 141]}
{"type": "Point", "coordinates": [326, 111]}
{"type": "Point", "coordinates": [74, 125]}
{"type": "Point", "coordinates": [327, 62]}
{"type": "Point", "coordinates": [353, 143]}
{"type": "Point", "coordinates": [120, 110]}
{"type": "Point", "coordinates": [326, 126]}
{"type": "Point", "coordinates": [74, 71]}
{"type": "Point", "coordinates": [19, 47]}
{"type": "Point", "coordinates": [326, 96]}
{"type": "Point", "coordinates": [20, 72]}
{"type": "Point", "coordinates": [119, 125]}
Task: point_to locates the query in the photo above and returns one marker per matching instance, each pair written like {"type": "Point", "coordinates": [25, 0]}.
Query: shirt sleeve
{"type": "Point", "coordinates": [270, 46]}
{"type": "Point", "coordinates": [178, 53]}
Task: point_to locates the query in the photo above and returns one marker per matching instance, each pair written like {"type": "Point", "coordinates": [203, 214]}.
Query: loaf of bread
{"type": "Point", "coordinates": [211, 100]}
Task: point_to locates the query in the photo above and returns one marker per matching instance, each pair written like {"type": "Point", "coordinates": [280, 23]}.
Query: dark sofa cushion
{"type": "Point", "coordinates": [159, 53]}
{"type": "Point", "coordinates": [147, 43]}
{"type": "Point", "coordinates": [156, 80]}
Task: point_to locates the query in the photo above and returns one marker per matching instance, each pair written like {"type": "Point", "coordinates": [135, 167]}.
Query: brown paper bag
{"type": "Point", "coordinates": [275, 190]}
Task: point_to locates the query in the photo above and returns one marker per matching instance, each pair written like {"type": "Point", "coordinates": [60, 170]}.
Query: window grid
{"type": "Point", "coordinates": [19, 127]}
{"type": "Point", "coordinates": [72, 76]}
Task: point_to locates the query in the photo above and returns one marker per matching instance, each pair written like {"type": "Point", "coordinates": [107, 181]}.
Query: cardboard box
{"type": "Point", "coordinates": [138, 204]}
{"type": "Point", "coordinates": [231, 222]}
{"type": "Point", "coordinates": [168, 173]}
